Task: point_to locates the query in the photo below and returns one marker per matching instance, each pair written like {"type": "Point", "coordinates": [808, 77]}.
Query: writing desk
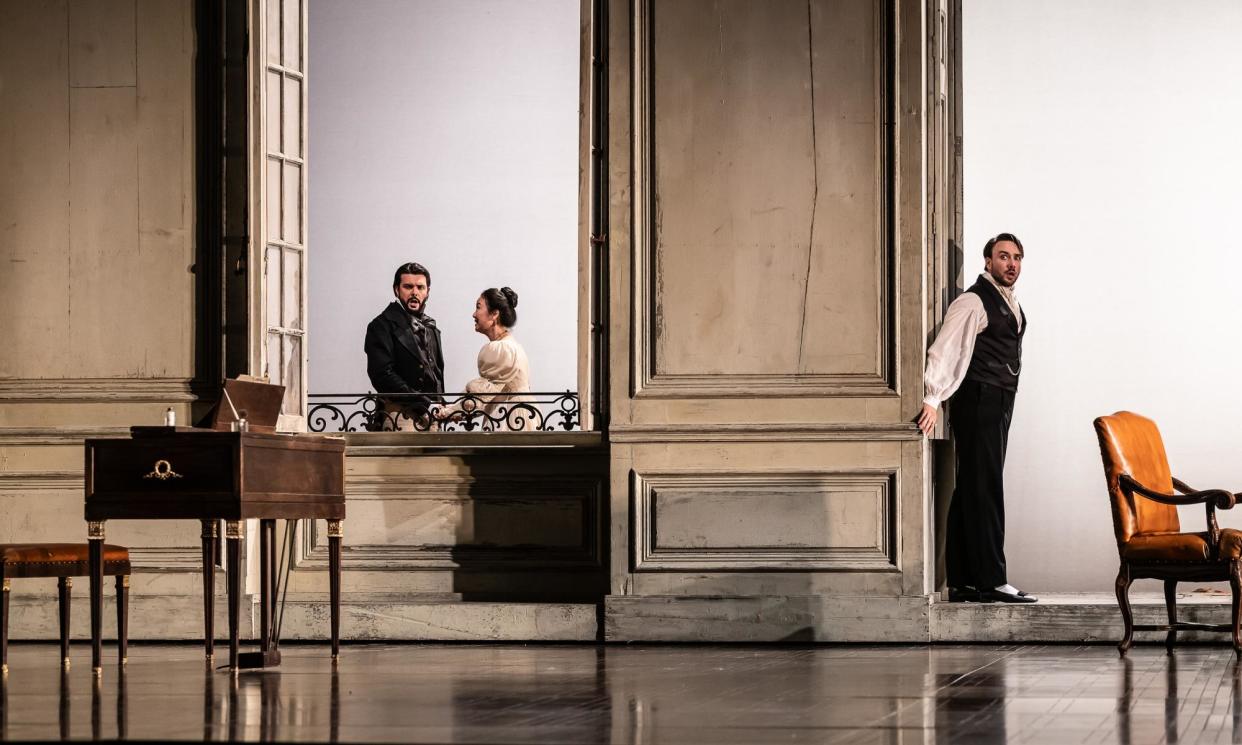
{"type": "Point", "coordinates": [179, 473]}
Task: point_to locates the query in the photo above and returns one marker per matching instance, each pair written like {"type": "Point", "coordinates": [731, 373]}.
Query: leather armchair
{"type": "Point", "coordinates": [1150, 541]}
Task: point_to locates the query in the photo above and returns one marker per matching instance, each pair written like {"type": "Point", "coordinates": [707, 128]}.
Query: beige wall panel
{"type": "Point", "coordinates": [98, 412]}
{"type": "Point", "coordinates": [25, 458]}
{"type": "Point", "coordinates": [767, 171]}
{"type": "Point", "coordinates": [751, 472]}
{"type": "Point", "coordinates": [733, 584]}
{"type": "Point", "coordinates": [446, 513]}
{"type": "Point", "coordinates": [39, 509]}
{"type": "Point", "coordinates": [777, 521]}
{"type": "Point", "coordinates": [733, 184]}
{"type": "Point", "coordinates": [735, 457]}
{"type": "Point", "coordinates": [101, 43]}
{"type": "Point", "coordinates": [34, 185]}
{"type": "Point", "coordinates": [514, 523]}
{"type": "Point", "coordinates": [844, 328]}
{"type": "Point", "coordinates": [107, 307]}
{"type": "Point", "coordinates": [165, 55]}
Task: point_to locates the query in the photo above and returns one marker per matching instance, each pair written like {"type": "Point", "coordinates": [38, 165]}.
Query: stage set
{"type": "Point", "coordinates": [768, 236]}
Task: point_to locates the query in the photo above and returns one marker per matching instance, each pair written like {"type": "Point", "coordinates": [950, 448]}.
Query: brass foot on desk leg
{"type": "Point", "coordinates": [98, 671]}
{"type": "Point", "coordinates": [65, 663]}
{"type": "Point", "coordinates": [4, 670]}
{"type": "Point", "coordinates": [124, 660]}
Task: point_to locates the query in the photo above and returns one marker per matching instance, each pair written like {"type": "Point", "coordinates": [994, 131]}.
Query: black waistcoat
{"type": "Point", "coordinates": [997, 359]}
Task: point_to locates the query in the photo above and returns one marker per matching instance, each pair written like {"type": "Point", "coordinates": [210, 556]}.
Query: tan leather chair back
{"type": "Point", "coordinates": [1131, 444]}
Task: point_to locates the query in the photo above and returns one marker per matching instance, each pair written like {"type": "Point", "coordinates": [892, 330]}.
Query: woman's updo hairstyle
{"type": "Point", "coordinates": [504, 301]}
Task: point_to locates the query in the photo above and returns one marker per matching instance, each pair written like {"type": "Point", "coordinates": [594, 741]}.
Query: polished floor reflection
{"type": "Point", "coordinates": [637, 694]}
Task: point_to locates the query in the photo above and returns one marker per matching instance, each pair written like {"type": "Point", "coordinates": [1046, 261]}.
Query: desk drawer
{"type": "Point", "coordinates": [159, 468]}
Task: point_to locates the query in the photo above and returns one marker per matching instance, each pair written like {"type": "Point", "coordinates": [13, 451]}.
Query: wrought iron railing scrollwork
{"type": "Point", "coordinates": [444, 412]}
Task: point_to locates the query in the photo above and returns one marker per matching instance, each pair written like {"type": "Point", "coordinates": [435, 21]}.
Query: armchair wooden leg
{"type": "Point", "coordinates": [64, 588]}
{"type": "Point", "coordinates": [1170, 604]}
{"type": "Point", "coordinates": [1123, 601]}
{"type": "Point", "coordinates": [122, 617]}
{"type": "Point", "coordinates": [1235, 585]}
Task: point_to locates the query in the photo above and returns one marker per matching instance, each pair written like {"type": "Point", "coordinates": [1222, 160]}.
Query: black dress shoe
{"type": "Point", "coordinates": [966, 594]}
{"type": "Point", "coordinates": [997, 596]}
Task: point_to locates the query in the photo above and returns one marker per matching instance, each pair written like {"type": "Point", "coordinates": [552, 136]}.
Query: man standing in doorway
{"type": "Point", "coordinates": [977, 358]}
{"type": "Point", "coordinates": [403, 351]}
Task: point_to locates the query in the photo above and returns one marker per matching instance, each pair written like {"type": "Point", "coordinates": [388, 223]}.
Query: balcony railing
{"type": "Point", "coordinates": [452, 412]}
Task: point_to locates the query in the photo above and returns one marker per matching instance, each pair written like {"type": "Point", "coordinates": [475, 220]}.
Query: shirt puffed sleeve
{"type": "Point", "coordinates": [949, 356]}
{"type": "Point", "coordinates": [498, 367]}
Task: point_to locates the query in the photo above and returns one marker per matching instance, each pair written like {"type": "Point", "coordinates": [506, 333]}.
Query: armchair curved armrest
{"type": "Point", "coordinates": [1218, 498]}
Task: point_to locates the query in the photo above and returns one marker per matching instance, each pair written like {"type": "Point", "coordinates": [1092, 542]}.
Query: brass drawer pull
{"type": "Point", "coordinates": [163, 471]}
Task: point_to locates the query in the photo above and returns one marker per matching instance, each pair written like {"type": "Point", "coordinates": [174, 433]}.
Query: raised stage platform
{"type": "Point", "coordinates": [1082, 617]}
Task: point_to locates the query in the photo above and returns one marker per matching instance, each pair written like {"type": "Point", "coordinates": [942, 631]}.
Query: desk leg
{"type": "Point", "coordinates": [335, 534]}
{"type": "Point", "coordinates": [233, 532]}
{"type": "Point", "coordinates": [210, 533]}
{"type": "Point", "coordinates": [95, 541]}
{"type": "Point", "coordinates": [267, 547]}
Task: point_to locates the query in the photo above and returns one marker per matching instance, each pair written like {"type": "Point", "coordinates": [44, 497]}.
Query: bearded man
{"type": "Point", "coordinates": [403, 350]}
{"type": "Point", "coordinates": [976, 359]}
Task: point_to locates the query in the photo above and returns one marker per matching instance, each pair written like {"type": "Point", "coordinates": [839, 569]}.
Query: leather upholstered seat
{"type": "Point", "coordinates": [1150, 542]}
{"type": "Point", "coordinates": [63, 561]}
{"type": "Point", "coordinates": [1178, 547]}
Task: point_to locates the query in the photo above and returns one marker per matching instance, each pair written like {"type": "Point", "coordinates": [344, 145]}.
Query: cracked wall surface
{"type": "Point", "coordinates": [769, 174]}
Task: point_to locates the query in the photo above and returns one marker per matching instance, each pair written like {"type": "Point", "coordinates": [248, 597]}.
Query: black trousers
{"type": "Point", "coordinates": [975, 541]}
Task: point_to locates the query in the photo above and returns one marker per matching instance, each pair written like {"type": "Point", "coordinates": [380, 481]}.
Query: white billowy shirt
{"type": "Point", "coordinates": [503, 368]}
{"type": "Point", "coordinates": [949, 356]}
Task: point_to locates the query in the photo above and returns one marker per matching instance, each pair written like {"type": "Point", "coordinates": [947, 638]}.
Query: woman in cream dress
{"type": "Point", "coordinates": [503, 367]}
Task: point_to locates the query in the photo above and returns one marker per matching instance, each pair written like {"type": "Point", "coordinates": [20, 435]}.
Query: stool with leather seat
{"type": "Point", "coordinates": [63, 561]}
{"type": "Point", "coordinates": [1150, 541]}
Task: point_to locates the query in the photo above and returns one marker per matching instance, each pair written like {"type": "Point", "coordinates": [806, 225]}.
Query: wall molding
{"type": "Point", "coordinates": [648, 555]}
{"type": "Point", "coordinates": [99, 390]}
{"type": "Point", "coordinates": [646, 381]}
{"type": "Point", "coordinates": [764, 432]}
{"type": "Point", "coordinates": [43, 481]}
{"type": "Point", "coordinates": [56, 435]}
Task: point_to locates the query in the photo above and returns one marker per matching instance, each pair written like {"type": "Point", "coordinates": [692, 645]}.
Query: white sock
{"type": "Point", "coordinates": [1008, 589]}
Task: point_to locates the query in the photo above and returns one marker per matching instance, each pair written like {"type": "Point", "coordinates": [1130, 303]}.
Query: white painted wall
{"type": "Point", "coordinates": [443, 132]}
{"type": "Point", "coordinates": [1105, 134]}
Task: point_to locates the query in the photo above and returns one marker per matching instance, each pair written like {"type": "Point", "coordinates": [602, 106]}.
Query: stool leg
{"type": "Point", "coordinates": [4, 628]}
{"type": "Point", "coordinates": [63, 711]}
{"type": "Point", "coordinates": [64, 586]}
{"type": "Point", "coordinates": [95, 540]}
{"type": "Point", "coordinates": [122, 617]}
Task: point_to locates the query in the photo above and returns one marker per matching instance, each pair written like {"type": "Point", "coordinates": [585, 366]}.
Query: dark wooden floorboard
{"type": "Point", "coordinates": [442, 693]}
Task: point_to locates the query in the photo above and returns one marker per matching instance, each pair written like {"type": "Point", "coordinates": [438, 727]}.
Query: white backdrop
{"type": "Point", "coordinates": [1106, 135]}
{"type": "Point", "coordinates": [443, 132]}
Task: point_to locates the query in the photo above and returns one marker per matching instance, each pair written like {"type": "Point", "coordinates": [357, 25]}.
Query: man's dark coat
{"type": "Point", "coordinates": [404, 355]}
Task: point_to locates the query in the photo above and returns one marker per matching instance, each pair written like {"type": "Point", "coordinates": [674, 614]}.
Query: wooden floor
{"type": "Point", "coordinates": [469, 693]}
